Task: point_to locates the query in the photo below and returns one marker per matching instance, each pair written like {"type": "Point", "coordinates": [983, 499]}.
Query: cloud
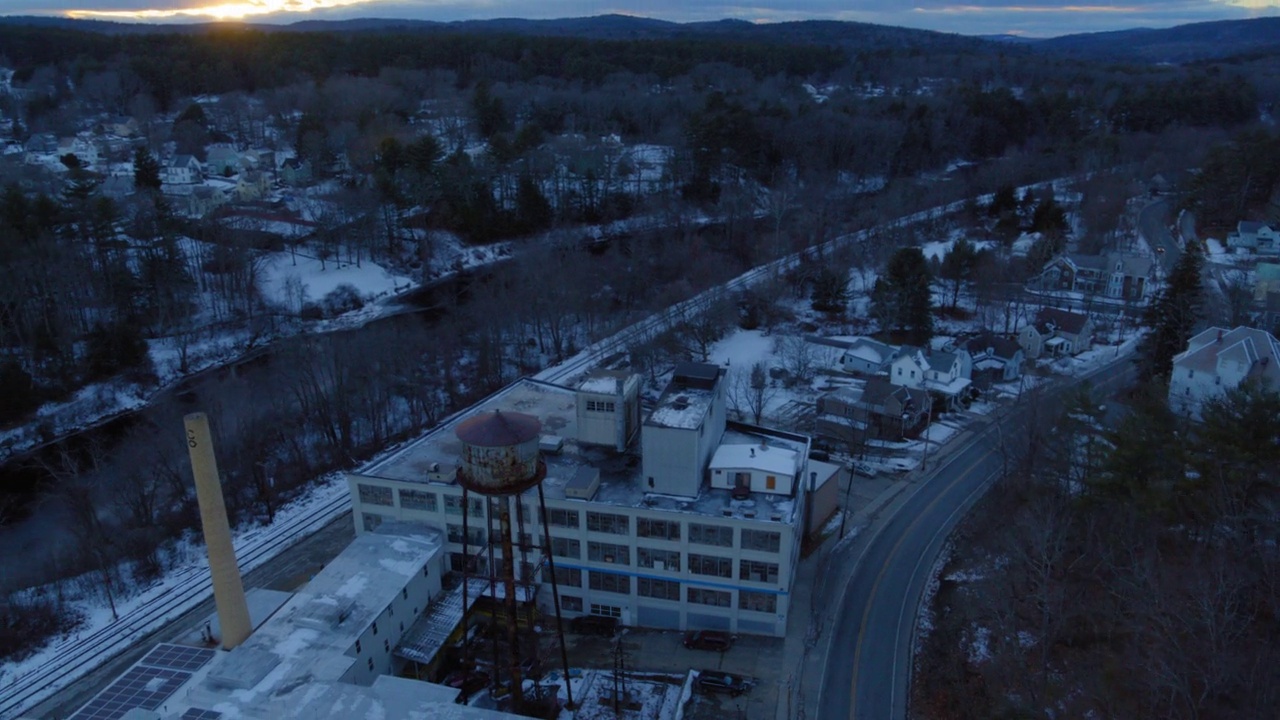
{"type": "Point", "coordinates": [1030, 17]}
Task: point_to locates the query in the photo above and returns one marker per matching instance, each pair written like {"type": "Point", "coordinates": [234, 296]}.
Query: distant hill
{"type": "Point", "coordinates": [1183, 43]}
{"type": "Point", "coordinates": [848, 35]}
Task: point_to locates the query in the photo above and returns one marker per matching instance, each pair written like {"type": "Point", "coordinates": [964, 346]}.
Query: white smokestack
{"type": "Point", "coordinates": [228, 590]}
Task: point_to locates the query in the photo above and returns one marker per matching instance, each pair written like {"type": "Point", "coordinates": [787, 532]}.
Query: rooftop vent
{"type": "Point", "coordinates": [749, 513]}
{"type": "Point", "coordinates": [776, 517]}
{"type": "Point", "coordinates": [727, 512]}
{"type": "Point", "coordinates": [681, 402]}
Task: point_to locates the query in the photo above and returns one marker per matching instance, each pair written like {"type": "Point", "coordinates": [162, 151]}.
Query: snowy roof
{"type": "Point", "coordinates": [684, 409]}
{"type": "Point", "coordinates": [762, 457]}
{"type": "Point", "coordinates": [951, 388]}
{"type": "Point", "coordinates": [620, 482]}
{"type": "Point", "coordinates": [604, 382]}
{"type": "Point", "coordinates": [1257, 349]}
{"type": "Point", "coordinates": [428, 635]}
{"type": "Point", "coordinates": [1064, 320]}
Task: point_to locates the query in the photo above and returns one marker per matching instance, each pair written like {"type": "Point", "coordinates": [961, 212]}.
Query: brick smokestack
{"type": "Point", "coordinates": [228, 590]}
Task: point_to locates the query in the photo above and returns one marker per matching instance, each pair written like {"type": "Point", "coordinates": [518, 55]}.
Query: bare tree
{"type": "Point", "coordinates": [751, 392]}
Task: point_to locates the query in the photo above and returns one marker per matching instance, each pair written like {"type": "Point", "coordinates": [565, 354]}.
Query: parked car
{"type": "Point", "coordinates": [863, 469]}
{"type": "Point", "coordinates": [714, 681]}
{"type": "Point", "coordinates": [595, 625]}
{"type": "Point", "coordinates": [708, 640]}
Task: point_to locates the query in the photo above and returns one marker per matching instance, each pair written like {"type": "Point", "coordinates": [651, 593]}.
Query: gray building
{"type": "Point", "coordinates": [690, 550]}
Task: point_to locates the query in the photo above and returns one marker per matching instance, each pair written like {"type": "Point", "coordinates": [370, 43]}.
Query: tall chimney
{"type": "Point", "coordinates": [228, 590]}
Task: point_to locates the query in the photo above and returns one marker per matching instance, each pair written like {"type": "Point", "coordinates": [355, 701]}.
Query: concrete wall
{"type": "Point", "coordinates": [759, 480]}
{"type": "Point", "coordinates": [672, 459]}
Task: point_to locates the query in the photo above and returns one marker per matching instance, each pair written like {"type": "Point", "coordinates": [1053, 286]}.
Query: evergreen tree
{"type": "Point", "coordinates": [830, 289]}
{"type": "Point", "coordinates": [957, 267]}
{"type": "Point", "coordinates": [902, 298]}
{"type": "Point", "coordinates": [1171, 317]}
{"type": "Point", "coordinates": [20, 396]}
{"type": "Point", "coordinates": [146, 170]}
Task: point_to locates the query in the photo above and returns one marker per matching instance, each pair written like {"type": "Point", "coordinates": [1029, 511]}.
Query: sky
{"type": "Point", "coordinates": [1036, 18]}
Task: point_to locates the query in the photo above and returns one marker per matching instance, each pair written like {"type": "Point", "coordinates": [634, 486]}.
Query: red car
{"type": "Point", "coordinates": [708, 640]}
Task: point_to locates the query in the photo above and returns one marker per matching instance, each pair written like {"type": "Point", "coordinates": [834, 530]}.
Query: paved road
{"type": "Point", "coordinates": [869, 653]}
{"type": "Point", "coordinates": [1153, 223]}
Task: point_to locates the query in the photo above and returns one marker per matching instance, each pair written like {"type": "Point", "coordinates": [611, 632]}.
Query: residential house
{"type": "Point", "coordinates": [1217, 360]}
{"type": "Point", "coordinates": [1057, 333]}
{"type": "Point", "coordinates": [1255, 237]}
{"type": "Point", "coordinates": [123, 126]}
{"type": "Point", "coordinates": [204, 200]}
{"type": "Point", "coordinates": [945, 373]}
{"type": "Point", "coordinates": [996, 359]}
{"type": "Point", "coordinates": [859, 355]}
{"type": "Point", "coordinates": [40, 148]}
{"type": "Point", "coordinates": [183, 170]}
{"type": "Point", "coordinates": [1116, 275]}
{"type": "Point", "coordinates": [294, 172]}
{"type": "Point", "coordinates": [252, 185]}
{"type": "Point", "coordinates": [1268, 281]}
{"type": "Point", "coordinates": [879, 411]}
{"type": "Point", "coordinates": [83, 148]}
{"type": "Point", "coordinates": [222, 160]}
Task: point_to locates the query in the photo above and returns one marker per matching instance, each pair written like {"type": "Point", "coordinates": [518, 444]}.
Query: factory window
{"type": "Point", "coordinates": [757, 601]}
{"type": "Point", "coordinates": [566, 547]}
{"type": "Point", "coordinates": [710, 565]}
{"type": "Point", "coordinates": [453, 506]}
{"type": "Point", "coordinates": [703, 596]}
{"type": "Point", "coordinates": [569, 603]}
{"type": "Point", "coordinates": [762, 540]}
{"type": "Point", "coordinates": [370, 664]}
{"type": "Point", "coordinates": [608, 582]}
{"type": "Point", "coordinates": [608, 523]}
{"type": "Point", "coordinates": [609, 553]}
{"type": "Point", "coordinates": [374, 495]}
{"type": "Point", "coordinates": [660, 589]}
{"type": "Point", "coordinates": [371, 521]}
{"type": "Point", "coordinates": [612, 611]}
{"type": "Point", "coordinates": [418, 500]}
{"type": "Point", "coordinates": [568, 577]}
{"type": "Point", "coordinates": [404, 592]}
{"type": "Point", "coordinates": [668, 560]}
{"type": "Point", "coordinates": [475, 536]}
{"type": "Point", "coordinates": [661, 529]}
{"type": "Point", "coordinates": [357, 647]}
{"type": "Point", "coordinates": [599, 406]}
{"type": "Point", "coordinates": [386, 645]}
{"type": "Point", "coordinates": [757, 571]}
{"type": "Point", "coordinates": [559, 517]}
{"type": "Point", "coordinates": [719, 535]}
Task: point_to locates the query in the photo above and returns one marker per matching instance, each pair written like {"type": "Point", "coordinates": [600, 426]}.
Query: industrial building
{"type": "Point", "coordinates": [698, 525]}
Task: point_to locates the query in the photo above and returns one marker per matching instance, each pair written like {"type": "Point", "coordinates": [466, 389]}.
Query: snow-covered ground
{"type": "Point", "coordinates": [137, 607]}
{"type": "Point", "coordinates": [290, 280]}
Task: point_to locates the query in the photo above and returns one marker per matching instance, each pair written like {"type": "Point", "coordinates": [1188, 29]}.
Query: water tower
{"type": "Point", "coordinates": [500, 461]}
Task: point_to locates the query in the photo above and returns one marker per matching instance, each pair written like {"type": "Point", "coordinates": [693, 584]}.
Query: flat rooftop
{"type": "Point", "coordinates": [620, 481]}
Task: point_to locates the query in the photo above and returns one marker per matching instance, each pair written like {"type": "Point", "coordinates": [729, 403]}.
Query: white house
{"type": "Point", "coordinates": [1255, 237]}
{"type": "Point", "coordinates": [84, 149]}
{"type": "Point", "coordinates": [942, 372]}
{"type": "Point", "coordinates": [1218, 360]}
{"type": "Point", "coordinates": [183, 170]}
{"type": "Point", "coordinates": [1057, 333]}
{"type": "Point", "coordinates": [995, 359]}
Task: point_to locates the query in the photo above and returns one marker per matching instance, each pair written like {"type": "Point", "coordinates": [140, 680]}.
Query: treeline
{"type": "Point", "coordinates": [174, 66]}
{"type": "Point", "coordinates": [1122, 573]}
{"type": "Point", "coordinates": [1240, 180]}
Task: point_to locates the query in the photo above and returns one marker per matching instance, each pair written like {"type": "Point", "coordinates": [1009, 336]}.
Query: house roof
{"type": "Point", "coordinates": [1255, 348]}
{"type": "Point", "coordinates": [1249, 226]}
{"type": "Point", "coordinates": [1064, 320]}
{"type": "Point", "coordinates": [878, 391]}
{"type": "Point", "coordinates": [993, 345]}
{"type": "Point", "coordinates": [184, 161]}
{"type": "Point", "coordinates": [765, 458]}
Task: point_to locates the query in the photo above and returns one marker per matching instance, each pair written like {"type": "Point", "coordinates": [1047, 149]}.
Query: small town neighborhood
{"type": "Point", "coordinates": [626, 369]}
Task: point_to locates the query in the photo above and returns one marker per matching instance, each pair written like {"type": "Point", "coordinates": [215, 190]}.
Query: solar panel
{"type": "Point", "coordinates": [141, 687]}
{"type": "Point", "coordinates": [201, 714]}
{"type": "Point", "coordinates": [177, 657]}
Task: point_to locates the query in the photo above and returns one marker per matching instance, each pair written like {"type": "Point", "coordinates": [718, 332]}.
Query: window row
{"type": "Point", "coordinates": [660, 590]}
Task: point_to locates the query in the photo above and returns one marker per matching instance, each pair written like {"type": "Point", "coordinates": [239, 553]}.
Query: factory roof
{"type": "Point", "coordinates": [620, 484]}
{"type": "Point", "coordinates": [604, 382]}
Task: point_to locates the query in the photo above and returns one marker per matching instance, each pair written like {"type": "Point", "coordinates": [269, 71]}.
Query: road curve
{"type": "Point", "coordinates": [867, 669]}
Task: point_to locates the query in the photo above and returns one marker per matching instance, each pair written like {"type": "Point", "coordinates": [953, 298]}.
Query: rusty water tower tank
{"type": "Point", "coordinates": [500, 453]}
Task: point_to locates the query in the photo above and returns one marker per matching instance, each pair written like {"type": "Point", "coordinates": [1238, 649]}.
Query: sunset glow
{"type": "Point", "coordinates": [220, 11]}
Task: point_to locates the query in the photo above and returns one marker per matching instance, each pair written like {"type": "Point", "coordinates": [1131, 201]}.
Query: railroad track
{"type": "Point", "coordinates": [74, 658]}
